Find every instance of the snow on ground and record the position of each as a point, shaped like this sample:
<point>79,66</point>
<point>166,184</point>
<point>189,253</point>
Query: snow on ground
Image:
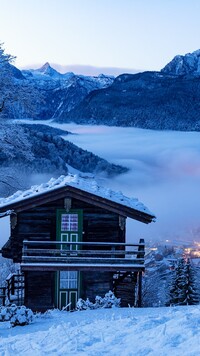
<point>127,331</point>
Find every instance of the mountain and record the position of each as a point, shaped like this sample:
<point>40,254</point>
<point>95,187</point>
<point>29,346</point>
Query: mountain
<point>46,69</point>
<point>62,92</point>
<point>165,100</point>
<point>150,100</point>
<point>184,65</point>
<point>17,74</point>
<point>50,93</point>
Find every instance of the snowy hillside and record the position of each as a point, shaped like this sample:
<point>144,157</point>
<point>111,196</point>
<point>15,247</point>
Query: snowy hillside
<point>50,154</point>
<point>128,331</point>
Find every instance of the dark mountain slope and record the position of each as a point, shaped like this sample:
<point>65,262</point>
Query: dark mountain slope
<point>151,100</point>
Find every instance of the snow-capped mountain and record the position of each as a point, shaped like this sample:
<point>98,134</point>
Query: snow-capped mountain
<point>47,70</point>
<point>184,65</point>
<point>163,100</point>
<point>150,100</point>
<point>62,92</point>
<point>50,93</point>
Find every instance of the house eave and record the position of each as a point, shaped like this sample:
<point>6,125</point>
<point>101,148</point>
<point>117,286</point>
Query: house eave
<point>72,192</point>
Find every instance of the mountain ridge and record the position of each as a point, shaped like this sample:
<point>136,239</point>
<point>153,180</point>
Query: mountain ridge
<point>184,64</point>
<point>163,100</point>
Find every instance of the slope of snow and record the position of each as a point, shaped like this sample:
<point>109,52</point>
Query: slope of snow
<point>128,332</point>
<point>85,184</point>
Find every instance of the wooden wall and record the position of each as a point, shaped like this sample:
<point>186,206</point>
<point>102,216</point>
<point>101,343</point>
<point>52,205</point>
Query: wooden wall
<point>95,283</point>
<point>39,290</point>
<point>124,288</point>
<point>39,223</point>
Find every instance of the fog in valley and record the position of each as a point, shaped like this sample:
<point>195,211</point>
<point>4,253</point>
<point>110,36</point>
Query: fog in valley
<point>164,175</point>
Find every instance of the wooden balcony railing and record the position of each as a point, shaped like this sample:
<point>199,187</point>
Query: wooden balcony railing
<point>13,292</point>
<point>55,255</point>
<point>2,295</point>
<point>15,288</point>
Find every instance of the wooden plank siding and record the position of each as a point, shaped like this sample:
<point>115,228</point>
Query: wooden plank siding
<point>39,290</point>
<point>38,223</point>
<point>95,283</point>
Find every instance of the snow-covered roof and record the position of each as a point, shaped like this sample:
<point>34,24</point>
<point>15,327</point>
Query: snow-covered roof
<point>88,185</point>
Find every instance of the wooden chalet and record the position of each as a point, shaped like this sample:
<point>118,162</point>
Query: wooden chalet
<point>69,236</point>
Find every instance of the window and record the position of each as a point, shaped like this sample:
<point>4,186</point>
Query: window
<point>69,222</point>
<point>68,279</point>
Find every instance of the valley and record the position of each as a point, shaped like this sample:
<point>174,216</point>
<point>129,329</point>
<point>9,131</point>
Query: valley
<point>163,173</point>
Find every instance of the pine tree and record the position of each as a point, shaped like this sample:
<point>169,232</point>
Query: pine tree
<point>177,284</point>
<point>183,290</point>
<point>189,291</point>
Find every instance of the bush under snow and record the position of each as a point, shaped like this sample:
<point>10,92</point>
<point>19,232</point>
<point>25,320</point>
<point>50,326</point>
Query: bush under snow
<point>16,315</point>
<point>109,301</point>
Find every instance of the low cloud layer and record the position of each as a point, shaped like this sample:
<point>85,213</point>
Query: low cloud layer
<point>164,174</point>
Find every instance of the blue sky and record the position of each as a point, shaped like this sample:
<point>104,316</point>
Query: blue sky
<point>140,34</point>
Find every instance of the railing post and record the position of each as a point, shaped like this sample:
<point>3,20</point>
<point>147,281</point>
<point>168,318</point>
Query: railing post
<point>25,248</point>
<point>3,295</point>
<point>112,249</point>
<point>140,248</point>
<point>8,288</point>
<point>139,289</point>
<point>13,284</point>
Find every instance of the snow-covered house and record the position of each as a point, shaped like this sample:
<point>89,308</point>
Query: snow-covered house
<point>69,236</point>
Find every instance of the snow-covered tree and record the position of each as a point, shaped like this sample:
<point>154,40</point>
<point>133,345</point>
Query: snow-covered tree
<point>5,77</point>
<point>183,289</point>
<point>17,97</point>
<point>109,301</point>
<point>154,285</point>
<point>14,144</point>
<point>177,284</point>
<point>7,267</point>
<point>17,315</point>
<point>197,270</point>
<point>151,283</point>
<point>189,291</point>
<point>15,151</point>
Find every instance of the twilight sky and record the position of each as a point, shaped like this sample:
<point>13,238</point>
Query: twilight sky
<point>128,34</point>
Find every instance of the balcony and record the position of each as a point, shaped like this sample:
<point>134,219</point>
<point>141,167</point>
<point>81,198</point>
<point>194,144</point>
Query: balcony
<point>82,256</point>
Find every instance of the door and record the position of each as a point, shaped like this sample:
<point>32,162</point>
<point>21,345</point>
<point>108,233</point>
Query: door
<point>69,229</point>
<point>67,289</point>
